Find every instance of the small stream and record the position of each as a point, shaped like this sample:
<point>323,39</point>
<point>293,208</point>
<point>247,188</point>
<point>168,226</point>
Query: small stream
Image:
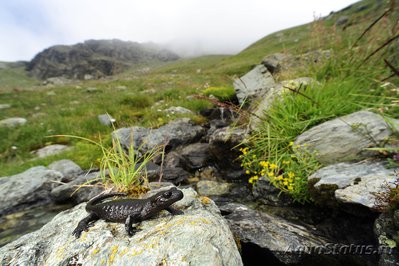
<point>15,225</point>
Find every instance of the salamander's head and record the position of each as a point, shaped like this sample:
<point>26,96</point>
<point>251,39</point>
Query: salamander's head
<point>166,198</point>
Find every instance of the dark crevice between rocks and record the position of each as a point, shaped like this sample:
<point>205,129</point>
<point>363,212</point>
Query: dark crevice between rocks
<point>253,255</point>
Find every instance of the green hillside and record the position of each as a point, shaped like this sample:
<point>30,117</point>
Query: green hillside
<point>129,97</point>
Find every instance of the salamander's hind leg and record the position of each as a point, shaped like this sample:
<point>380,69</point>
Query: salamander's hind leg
<point>174,211</point>
<point>128,225</point>
<point>85,224</point>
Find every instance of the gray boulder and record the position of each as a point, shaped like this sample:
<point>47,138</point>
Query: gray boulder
<point>268,194</point>
<point>67,168</point>
<point>106,119</point>
<point>275,93</point>
<point>51,150</point>
<point>287,241</point>
<point>78,190</point>
<point>13,122</point>
<point>278,62</point>
<point>195,156</point>
<point>30,187</point>
<point>354,183</point>
<point>346,138</point>
<point>253,84</point>
<point>199,237</point>
<point>342,20</point>
<point>178,132</point>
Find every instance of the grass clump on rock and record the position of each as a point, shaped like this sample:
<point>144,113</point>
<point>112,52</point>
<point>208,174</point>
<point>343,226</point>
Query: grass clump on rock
<point>221,93</point>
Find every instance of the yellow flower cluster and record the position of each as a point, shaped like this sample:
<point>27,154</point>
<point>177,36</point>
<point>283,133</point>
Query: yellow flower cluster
<point>284,181</point>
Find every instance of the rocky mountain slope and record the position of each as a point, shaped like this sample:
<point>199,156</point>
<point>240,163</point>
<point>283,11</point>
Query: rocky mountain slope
<point>93,59</point>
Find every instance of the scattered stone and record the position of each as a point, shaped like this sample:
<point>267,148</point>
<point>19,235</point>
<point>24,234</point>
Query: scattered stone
<point>354,183</point>
<point>4,106</point>
<point>199,237</point>
<point>121,88</point>
<point>67,168</point>
<point>253,84</point>
<point>51,93</point>
<point>30,187</point>
<point>273,62</point>
<point>346,138</point>
<point>213,188</point>
<point>51,150</point>
<point>56,81</point>
<point>178,110</point>
<point>178,132</point>
<point>106,119</point>
<point>175,175</point>
<point>91,90</point>
<point>13,122</point>
<point>342,20</point>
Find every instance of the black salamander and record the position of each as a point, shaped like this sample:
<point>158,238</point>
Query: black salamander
<point>128,211</point>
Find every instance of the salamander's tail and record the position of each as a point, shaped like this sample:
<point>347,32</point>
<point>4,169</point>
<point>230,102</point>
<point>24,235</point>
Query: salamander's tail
<point>101,197</point>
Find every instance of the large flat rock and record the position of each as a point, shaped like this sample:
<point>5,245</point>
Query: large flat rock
<point>199,237</point>
<point>346,138</point>
<point>354,183</point>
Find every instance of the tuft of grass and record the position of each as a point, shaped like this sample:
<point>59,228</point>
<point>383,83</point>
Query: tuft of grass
<point>120,170</point>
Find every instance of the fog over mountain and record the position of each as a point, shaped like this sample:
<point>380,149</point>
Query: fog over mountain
<point>189,27</point>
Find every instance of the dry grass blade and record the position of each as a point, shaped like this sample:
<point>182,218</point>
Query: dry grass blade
<point>379,48</point>
<point>394,70</point>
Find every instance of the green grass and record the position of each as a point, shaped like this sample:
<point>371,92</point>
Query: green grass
<point>15,78</point>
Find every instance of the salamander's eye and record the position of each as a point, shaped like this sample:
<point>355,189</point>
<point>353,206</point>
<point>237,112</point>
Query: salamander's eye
<point>167,194</point>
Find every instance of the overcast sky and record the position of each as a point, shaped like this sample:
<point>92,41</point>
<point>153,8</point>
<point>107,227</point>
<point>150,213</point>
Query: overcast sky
<point>206,26</point>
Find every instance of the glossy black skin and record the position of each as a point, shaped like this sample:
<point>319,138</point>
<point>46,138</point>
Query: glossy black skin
<point>128,211</point>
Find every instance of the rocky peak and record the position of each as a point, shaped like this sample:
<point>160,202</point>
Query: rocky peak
<point>94,59</point>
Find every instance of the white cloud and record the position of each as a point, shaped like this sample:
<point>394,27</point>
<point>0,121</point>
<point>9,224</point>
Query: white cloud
<point>223,26</point>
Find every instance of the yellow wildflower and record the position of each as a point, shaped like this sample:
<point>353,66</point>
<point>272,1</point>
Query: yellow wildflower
<point>285,183</point>
<point>280,177</point>
<point>270,174</point>
<point>290,187</point>
<point>247,172</point>
<point>273,166</point>
<point>264,164</point>
<point>286,162</point>
<point>291,174</point>
<point>291,143</point>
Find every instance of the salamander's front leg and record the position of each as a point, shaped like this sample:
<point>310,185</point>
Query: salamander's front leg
<point>128,225</point>
<point>85,224</point>
<point>174,211</point>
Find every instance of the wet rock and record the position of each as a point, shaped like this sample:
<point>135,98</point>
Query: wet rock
<point>269,194</point>
<point>213,188</point>
<point>178,132</point>
<point>253,84</point>
<point>79,190</point>
<point>199,237</point>
<point>195,156</point>
<point>67,168</point>
<point>106,119</point>
<point>353,183</point>
<point>13,122</point>
<point>30,187</point>
<point>51,150</point>
<point>222,143</point>
<point>276,235</point>
<point>346,138</point>
<point>175,175</point>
